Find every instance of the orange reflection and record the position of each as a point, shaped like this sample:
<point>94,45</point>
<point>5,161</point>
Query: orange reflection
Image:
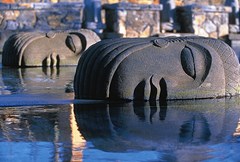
<point>8,1</point>
<point>237,131</point>
<point>78,142</point>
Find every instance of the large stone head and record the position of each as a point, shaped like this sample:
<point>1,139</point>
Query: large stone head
<point>157,68</point>
<point>47,49</point>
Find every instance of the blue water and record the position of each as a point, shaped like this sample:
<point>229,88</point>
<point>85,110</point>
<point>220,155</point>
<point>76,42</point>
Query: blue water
<point>41,121</point>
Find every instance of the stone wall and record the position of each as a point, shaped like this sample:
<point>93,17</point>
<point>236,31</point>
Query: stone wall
<point>199,2</point>
<point>20,17</point>
<point>132,20</point>
<point>208,21</point>
<point>40,16</point>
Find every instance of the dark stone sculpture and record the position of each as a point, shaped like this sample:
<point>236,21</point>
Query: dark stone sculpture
<point>47,49</point>
<point>157,68</point>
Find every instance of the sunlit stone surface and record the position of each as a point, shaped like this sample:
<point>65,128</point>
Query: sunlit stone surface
<point>204,20</point>
<point>132,20</point>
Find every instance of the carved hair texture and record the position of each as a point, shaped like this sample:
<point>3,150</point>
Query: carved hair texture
<point>157,68</point>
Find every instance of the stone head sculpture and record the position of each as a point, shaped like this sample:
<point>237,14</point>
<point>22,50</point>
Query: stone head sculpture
<point>157,68</point>
<point>47,49</point>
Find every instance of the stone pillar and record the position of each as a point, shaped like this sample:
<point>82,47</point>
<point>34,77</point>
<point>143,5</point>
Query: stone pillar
<point>92,15</point>
<point>168,16</point>
<point>208,21</point>
<point>233,16</point>
<point>234,42</point>
<point>132,20</point>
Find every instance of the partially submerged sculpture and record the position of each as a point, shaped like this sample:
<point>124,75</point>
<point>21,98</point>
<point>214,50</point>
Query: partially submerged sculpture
<point>47,49</point>
<point>157,68</point>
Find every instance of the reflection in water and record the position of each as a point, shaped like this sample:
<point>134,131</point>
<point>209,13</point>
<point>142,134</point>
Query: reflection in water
<point>40,133</point>
<point>36,86</point>
<point>195,130</point>
<point>172,131</point>
<point>78,142</point>
<point>237,131</point>
<point>181,130</point>
<point>37,80</point>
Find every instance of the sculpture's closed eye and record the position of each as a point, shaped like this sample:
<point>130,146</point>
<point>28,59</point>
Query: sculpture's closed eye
<point>187,61</point>
<point>70,44</point>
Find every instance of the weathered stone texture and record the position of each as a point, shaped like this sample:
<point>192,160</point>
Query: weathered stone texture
<point>47,49</point>
<point>157,68</point>
<point>41,16</point>
<point>200,2</point>
<point>21,17</point>
<point>208,21</point>
<point>132,20</point>
<point>234,42</point>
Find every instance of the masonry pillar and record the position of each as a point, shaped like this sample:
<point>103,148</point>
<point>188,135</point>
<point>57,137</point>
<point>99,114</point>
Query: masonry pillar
<point>92,16</point>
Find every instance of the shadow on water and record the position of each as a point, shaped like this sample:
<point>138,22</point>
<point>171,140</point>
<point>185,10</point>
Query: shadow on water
<point>175,130</point>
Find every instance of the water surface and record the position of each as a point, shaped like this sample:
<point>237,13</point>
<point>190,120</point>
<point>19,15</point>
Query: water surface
<point>41,121</point>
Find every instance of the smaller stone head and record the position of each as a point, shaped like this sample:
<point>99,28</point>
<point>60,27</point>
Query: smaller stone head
<point>47,49</point>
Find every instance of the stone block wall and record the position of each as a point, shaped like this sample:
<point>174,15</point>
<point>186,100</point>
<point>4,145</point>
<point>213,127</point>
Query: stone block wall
<point>234,42</point>
<point>200,2</point>
<point>132,20</point>
<point>41,16</point>
<point>208,21</point>
<point>20,17</point>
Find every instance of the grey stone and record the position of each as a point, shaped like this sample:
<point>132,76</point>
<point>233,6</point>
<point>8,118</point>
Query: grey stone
<point>47,49</point>
<point>41,16</point>
<point>132,20</point>
<point>204,20</point>
<point>157,68</point>
<point>234,15</point>
<point>234,42</point>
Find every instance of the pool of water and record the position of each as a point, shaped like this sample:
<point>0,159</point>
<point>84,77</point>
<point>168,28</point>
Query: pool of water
<point>41,121</point>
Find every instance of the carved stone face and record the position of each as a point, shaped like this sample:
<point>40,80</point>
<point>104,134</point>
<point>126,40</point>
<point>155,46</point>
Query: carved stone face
<point>160,68</point>
<point>50,49</point>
